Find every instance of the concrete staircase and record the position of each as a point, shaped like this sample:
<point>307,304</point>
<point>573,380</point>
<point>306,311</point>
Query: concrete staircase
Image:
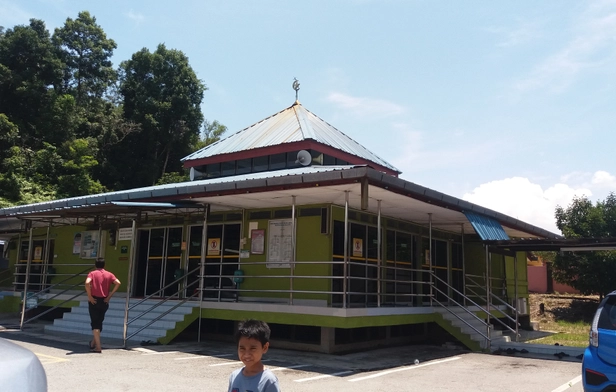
<point>77,321</point>
<point>466,334</point>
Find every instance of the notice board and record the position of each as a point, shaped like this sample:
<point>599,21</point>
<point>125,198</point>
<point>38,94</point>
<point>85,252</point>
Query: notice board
<point>280,243</point>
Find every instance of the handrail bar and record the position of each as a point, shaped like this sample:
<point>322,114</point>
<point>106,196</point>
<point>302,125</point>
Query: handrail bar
<point>492,307</point>
<point>460,318</point>
<point>457,291</point>
<point>165,299</point>
<point>52,308</point>
<point>160,316</point>
<point>25,295</point>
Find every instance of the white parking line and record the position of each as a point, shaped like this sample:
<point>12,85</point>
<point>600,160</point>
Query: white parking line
<point>143,350</point>
<point>324,376</point>
<point>568,384</point>
<point>288,367</point>
<point>233,363</point>
<point>203,356</point>
<point>162,352</point>
<point>403,368</point>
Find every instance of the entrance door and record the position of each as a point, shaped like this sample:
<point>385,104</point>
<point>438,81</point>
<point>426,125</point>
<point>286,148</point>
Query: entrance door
<point>159,258</point>
<point>221,260</point>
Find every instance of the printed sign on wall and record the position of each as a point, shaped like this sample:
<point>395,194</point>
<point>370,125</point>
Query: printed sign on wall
<point>358,247</point>
<point>213,246</point>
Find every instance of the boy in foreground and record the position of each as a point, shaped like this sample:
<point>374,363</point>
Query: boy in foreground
<point>252,342</point>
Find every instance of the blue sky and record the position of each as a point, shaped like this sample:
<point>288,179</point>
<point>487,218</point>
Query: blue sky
<point>506,104</point>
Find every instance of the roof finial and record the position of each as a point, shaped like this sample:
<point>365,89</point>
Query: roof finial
<point>296,87</point>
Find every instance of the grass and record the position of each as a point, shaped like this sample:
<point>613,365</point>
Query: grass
<point>574,334</point>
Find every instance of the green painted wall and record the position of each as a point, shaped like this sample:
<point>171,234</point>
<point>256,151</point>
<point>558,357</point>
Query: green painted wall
<point>311,246</point>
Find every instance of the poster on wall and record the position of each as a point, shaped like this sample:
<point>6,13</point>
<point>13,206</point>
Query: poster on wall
<point>280,243</point>
<point>213,246</point>
<point>358,247</point>
<point>77,244</point>
<point>89,244</point>
<point>257,244</point>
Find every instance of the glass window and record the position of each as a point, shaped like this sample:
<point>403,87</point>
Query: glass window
<point>328,160</point>
<point>213,170</point>
<point>228,168</point>
<point>292,158</point>
<point>243,166</point>
<point>278,161</point>
<point>260,164</point>
<point>341,162</point>
<point>607,319</point>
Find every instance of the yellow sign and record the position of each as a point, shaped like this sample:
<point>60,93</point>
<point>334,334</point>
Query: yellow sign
<point>358,247</point>
<point>213,246</point>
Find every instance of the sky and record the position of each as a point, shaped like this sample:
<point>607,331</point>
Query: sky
<point>509,105</point>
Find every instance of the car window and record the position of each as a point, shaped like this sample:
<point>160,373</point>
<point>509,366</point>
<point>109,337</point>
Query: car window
<point>607,320</point>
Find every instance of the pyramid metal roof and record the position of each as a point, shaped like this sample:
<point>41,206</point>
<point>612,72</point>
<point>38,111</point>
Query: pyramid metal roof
<point>293,124</point>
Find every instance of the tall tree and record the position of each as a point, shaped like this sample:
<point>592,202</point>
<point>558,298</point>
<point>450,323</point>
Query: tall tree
<point>30,68</point>
<point>589,272</point>
<point>162,94</point>
<point>87,52</point>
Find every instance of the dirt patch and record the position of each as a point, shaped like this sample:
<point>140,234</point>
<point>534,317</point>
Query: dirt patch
<point>548,309</point>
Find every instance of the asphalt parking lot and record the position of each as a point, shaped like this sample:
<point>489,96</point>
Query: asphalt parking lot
<point>206,367</point>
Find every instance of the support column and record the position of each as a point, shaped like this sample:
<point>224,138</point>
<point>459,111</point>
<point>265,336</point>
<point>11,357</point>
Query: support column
<point>27,278</point>
<point>488,291</point>
<point>129,277</point>
<point>45,259</point>
<point>202,267</point>
<point>328,339</point>
<point>430,258</point>
<point>345,282</point>
<point>463,266</point>
<point>515,294</point>
<point>292,261</point>
<point>379,259</point>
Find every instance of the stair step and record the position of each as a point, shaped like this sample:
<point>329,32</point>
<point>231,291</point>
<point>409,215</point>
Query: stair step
<point>77,321</point>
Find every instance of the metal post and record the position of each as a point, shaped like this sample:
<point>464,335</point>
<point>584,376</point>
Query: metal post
<point>292,261</point>
<point>430,258</point>
<point>202,267</point>
<point>488,297</point>
<point>346,249</point>
<point>100,238</point>
<point>515,294</point>
<point>129,277</point>
<point>379,259</point>
<point>26,280</point>
<point>45,259</point>
<point>463,265</point>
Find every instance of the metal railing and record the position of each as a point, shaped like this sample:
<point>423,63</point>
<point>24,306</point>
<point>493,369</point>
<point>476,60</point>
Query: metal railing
<point>159,303</point>
<point>50,295</point>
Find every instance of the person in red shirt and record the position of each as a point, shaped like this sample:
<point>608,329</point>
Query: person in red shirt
<point>97,287</point>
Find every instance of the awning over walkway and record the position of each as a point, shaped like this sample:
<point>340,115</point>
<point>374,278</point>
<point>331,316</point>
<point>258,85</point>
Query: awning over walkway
<point>487,228</point>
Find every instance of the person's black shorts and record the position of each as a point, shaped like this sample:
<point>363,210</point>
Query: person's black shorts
<point>97,312</point>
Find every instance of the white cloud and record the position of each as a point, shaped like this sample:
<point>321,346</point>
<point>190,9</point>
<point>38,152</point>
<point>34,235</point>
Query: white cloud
<point>591,47</point>
<point>522,199</point>
<point>604,179</point>
<point>134,16</point>
<point>365,107</point>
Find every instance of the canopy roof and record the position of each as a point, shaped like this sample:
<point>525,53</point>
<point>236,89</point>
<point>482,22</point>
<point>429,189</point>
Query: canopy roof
<point>366,187</point>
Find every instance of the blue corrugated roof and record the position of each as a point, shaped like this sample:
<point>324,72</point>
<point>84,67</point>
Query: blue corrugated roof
<point>487,228</point>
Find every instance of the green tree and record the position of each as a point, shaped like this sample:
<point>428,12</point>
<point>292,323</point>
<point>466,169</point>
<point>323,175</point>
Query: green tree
<point>87,52</point>
<point>162,94</point>
<point>30,70</point>
<point>211,133</point>
<point>591,272</point>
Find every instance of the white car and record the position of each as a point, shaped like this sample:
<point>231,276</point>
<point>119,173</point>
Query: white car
<point>20,369</point>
